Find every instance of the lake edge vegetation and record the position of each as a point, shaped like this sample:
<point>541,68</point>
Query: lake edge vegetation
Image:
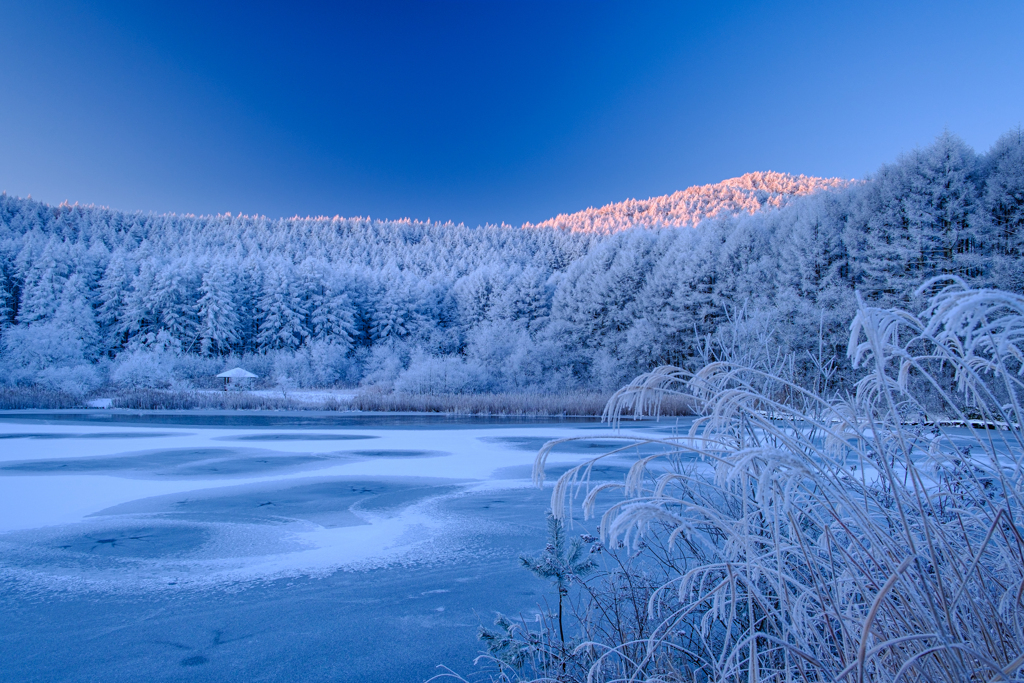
<point>801,533</point>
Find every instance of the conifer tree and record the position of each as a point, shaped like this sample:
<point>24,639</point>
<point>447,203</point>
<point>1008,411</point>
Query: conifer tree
<point>218,322</point>
<point>171,300</point>
<point>561,563</point>
<point>282,313</point>
<point>1004,205</point>
<point>114,289</point>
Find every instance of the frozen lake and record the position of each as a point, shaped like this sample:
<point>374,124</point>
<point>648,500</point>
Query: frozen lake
<point>267,547</point>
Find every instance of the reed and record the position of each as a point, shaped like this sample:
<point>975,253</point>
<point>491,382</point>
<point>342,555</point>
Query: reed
<point>20,398</point>
<point>155,399</point>
<point>816,537</point>
<point>579,403</point>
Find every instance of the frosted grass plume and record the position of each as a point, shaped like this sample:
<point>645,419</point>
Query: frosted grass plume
<point>840,538</point>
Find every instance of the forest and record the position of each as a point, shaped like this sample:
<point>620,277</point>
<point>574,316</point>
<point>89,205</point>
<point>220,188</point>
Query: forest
<point>92,297</point>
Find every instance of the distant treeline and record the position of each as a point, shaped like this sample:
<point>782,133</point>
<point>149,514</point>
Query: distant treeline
<point>90,295</point>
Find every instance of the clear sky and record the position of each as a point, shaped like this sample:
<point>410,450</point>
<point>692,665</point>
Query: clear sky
<point>483,111</point>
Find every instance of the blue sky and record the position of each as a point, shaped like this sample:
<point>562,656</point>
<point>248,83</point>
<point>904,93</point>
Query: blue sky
<point>484,111</point>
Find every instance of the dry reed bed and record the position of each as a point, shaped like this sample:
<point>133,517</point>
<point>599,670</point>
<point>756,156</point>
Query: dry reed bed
<point>153,399</point>
<point>21,398</point>
<point>483,404</point>
<point>579,403</point>
<point>525,404</point>
<point>512,404</point>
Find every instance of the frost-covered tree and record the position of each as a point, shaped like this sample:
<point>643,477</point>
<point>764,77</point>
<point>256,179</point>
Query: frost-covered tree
<point>249,289</point>
<point>919,218</point>
<point>1004,206</point>
<point>75,312</point>
<point>403,307</point>
<point>677,307</point>
<point>170,301</point>
<point>332,313</point>
<point>6,305</point>
<point>44,280</point>
<point>577,301</point>
<point>218,320</point>
<point>475,294</point>
<point>114,289</point>
<point>282,311</point>
<point>527,298</point>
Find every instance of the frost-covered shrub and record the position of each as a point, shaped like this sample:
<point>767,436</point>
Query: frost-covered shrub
<point>442,375</point>
<point>144,369</point>
<point>260,364</point>
<point>608,371</point>
<point>384,363</point>
<point>42,353</point>
<point>515,361</point>
<point>42,345</point>
<point>332,364</point>
<point>817,536</point>
<point>507,352</point>
<point>317,364</point>
<point>76,380</point>
<point>193,368</point>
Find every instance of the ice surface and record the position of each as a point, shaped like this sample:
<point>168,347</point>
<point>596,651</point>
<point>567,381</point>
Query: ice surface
<point>182,462</point>
<point>94,435</point>
<point>250,547</point>
<point>297,436</point>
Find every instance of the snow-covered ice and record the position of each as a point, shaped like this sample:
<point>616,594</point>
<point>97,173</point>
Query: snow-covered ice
<point>374,546</point>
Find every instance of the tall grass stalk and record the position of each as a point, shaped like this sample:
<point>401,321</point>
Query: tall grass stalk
<point>833,538</point>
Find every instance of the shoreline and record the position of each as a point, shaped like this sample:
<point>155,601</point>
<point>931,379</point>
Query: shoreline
<point>570,404</point>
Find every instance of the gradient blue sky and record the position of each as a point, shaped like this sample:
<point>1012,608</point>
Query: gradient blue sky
<point>484,111</point>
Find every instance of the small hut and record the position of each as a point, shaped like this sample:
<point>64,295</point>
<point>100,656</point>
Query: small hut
<point>235,375</point>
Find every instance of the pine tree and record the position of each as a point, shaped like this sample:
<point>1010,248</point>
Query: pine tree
<point>1004,205</point>
<point>114,290</point>
<point>218,322</point>
<point>474,294</point>
<point>44,279</point>
<point>74,312</point>
<point>401,309</point>
<point>561,563</point>
<point>137,318</point>
<point>919,218</point>
<point>282,313</point>
<point>527,298</point>
<point>331,310</point>
<point>249,289</point>
<point>6,305</point>
<point>171,299</point>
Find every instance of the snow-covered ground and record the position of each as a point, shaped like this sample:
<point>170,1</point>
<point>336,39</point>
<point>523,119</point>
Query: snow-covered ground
<point>375,546</point>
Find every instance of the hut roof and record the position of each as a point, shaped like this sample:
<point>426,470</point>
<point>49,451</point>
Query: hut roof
<point>236,373</point>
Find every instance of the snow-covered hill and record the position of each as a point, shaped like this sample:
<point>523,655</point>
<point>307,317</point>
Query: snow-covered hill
<point>91,295</point>
<point>686,208</point>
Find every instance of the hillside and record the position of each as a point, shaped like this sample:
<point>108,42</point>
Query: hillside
<point>91,296</point>
<point>746,194</point>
